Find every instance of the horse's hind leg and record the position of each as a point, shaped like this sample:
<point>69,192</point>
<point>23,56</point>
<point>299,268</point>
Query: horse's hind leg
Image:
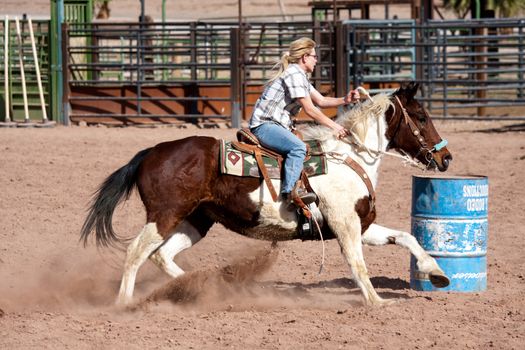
<point>138,252</point>
<point>380,235</point>
<point>185,235</point>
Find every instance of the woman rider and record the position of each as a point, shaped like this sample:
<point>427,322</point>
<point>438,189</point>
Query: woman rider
<point>284,95</point>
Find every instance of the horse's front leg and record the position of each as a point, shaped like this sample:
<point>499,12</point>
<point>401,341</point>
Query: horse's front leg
<point>347,229</point>
<point>380,235</point>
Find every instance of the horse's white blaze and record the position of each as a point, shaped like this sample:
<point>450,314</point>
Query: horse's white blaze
<point>184,236</point>
<point>380,235</point>
<point>138,252</point>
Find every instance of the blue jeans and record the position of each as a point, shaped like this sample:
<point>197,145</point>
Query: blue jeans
<point>283,141</point>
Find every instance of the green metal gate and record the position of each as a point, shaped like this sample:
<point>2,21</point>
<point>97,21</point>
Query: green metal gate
<point>75,11</point>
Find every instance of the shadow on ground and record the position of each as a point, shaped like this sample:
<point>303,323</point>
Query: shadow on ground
<point>505,128</point>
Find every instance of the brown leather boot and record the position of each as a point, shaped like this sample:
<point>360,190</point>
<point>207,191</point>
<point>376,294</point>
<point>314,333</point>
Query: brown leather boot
<point>299,196</point>
<point>303,195</point>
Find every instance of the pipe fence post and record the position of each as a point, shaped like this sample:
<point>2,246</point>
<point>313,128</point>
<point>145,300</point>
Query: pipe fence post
<point>235,78</point>
<point>6,71</point>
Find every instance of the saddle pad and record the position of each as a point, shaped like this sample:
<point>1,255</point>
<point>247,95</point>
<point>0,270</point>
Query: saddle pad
<point>237,163</point>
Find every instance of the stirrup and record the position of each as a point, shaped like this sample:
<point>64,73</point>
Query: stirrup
<point>304,196</point>
<point>300,197</point>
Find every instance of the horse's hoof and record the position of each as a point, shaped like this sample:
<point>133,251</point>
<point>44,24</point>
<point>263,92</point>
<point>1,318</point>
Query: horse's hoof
<point>438,279</point>
<point>387,302</point>
<point>123,302</point>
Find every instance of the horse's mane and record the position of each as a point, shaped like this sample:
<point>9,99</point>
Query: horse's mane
<point>355,120</point>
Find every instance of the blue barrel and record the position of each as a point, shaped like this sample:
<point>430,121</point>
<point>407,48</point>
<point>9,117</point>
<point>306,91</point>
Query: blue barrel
<point>449,220</point>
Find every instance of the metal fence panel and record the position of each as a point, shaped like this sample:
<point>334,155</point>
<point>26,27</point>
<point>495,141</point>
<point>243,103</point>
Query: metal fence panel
<point>164,70</point>
<point>189,71</point>
<point>193,56</point>
<point>381,50</point>
<point>467,68</point>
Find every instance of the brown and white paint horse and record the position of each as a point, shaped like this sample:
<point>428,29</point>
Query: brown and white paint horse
<point>184,194</point>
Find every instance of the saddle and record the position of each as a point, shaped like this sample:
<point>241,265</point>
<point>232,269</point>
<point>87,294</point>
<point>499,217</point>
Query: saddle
<point>247,142</point>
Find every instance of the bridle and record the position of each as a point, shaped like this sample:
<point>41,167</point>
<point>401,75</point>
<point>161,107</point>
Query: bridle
<point>429,152</point>
<point>407,159</point>
<point>375,154</point>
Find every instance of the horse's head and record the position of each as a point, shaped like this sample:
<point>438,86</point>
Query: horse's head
<point>411,130</point>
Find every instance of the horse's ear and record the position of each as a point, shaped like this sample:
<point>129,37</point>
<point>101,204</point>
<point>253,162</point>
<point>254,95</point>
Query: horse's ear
<point>414,88</point>
<point>409,89</point>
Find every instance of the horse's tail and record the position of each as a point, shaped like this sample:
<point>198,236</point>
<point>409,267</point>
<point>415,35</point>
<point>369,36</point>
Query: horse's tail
<point>116,188</point>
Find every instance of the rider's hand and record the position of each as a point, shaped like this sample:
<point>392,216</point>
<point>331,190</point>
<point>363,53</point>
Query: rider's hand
<point>340,132</point>
<point>352,97</point>
<point>355,95</point>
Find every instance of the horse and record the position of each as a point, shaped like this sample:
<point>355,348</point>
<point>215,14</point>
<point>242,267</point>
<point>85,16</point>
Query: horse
<point>184,194</point>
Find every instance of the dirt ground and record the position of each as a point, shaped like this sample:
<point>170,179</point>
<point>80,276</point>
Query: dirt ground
<point>129,10</point>
<point>54,293</point>
<point>175,10</point>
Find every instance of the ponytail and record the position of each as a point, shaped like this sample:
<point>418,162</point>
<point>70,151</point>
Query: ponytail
<point>280,67</point>
<point>298,49</point>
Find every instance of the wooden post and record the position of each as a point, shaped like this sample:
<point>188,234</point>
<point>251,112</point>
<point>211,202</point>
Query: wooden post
<point>22,73</point>
<point>37,69</point>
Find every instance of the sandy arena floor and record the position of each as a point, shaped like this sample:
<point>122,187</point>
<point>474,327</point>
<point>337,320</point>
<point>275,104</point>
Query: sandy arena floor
<point>54,293</point>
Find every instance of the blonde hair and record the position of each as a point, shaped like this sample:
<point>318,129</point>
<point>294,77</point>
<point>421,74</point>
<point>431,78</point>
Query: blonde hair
<point>298,48</point>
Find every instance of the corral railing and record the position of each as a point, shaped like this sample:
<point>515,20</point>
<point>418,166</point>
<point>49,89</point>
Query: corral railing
<point>169,72</point>
<point>127,72</point>
<point>213,72</point>
<point>466,68</point>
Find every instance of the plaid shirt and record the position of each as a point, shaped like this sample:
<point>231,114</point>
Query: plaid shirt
<point>278,101</point>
